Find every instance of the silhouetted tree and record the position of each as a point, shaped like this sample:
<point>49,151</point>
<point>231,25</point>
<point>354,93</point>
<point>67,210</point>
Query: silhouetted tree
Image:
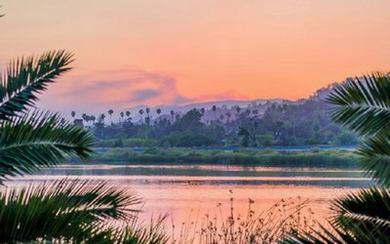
<point>110,113</point>
<point>244,135</point>
<point>84,116</point>
<point>255,112</point>
<point>228,115</point>
<point>202,110</point>
<point>214,108</point>
<point>122,114</point>
<point>141,112</point>
<point>172,114</point>
<point>147,110</point>
<point>102,117</point>
<point>238,109</point>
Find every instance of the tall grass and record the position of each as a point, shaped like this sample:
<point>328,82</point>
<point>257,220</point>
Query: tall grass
<point>269,226</point>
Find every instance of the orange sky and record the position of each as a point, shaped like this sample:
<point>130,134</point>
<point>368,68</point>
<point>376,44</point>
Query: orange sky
<point>132,52</point>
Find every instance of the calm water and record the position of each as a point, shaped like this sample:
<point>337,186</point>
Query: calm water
<point>186,191</point>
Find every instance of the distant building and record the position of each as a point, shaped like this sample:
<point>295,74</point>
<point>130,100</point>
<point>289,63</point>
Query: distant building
<point>78,122</point>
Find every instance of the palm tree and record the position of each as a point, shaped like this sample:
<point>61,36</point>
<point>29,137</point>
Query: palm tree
<point>363,106</point>
<point>63,211</point>
<point>93,118</point>
<point>238,109</point>
<point>228,115</point>
<point>102,117</point>
<point>141,112</point>
<point>110,113</point>
<point>122,114</point>
<point>84,116</point>
<point>172,113</point>
<point>214,108</point>
<point>202,110</point>
<point>147,110</point>
<point>128,113</point>
<point>255,112</point>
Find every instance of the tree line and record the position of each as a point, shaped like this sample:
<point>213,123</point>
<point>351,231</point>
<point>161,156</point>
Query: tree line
<point>306,122</point>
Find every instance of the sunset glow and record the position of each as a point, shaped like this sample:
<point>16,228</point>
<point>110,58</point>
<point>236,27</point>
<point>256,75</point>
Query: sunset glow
<point>154,52</point>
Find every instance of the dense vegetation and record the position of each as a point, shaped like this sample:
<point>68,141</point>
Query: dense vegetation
<point>307,158</point>
<point>305,122</point>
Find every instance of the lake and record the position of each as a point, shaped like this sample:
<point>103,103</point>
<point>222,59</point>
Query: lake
<point>186,192</point>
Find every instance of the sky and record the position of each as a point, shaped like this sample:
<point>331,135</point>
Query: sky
<point>152,52</point>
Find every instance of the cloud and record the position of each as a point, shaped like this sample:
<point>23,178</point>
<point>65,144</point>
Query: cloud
<point>144,95</point>
<point>98,91</point>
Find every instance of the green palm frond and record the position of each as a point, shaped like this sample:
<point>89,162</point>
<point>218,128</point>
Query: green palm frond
<point>39,140</point>
<point>369,208</point>
<point>363,104</point>
<point>63,210</point>
<point>375,154</point>
<point>362,217</point>
<point>26,77</point>
<point>340,235</point>
<point>136,233</point>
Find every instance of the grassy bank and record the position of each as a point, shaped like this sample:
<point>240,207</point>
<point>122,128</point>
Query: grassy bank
<point>345,158</point>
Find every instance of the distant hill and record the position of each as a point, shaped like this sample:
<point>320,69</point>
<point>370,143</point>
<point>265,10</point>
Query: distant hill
<point>222,106</point>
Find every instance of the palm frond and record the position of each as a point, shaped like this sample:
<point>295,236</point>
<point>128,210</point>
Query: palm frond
<point>362,217</point>
<point>63,210</point>
<point>369,208</point>
<point>335,234</point>
<point>363,104</point>
<point>375,154</point>
<point>27,77</point>
<point>39,140</point>
<point>136,233</point>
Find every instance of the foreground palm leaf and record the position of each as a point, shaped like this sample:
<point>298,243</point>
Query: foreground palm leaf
<point>339,235</point>
<point>368,209</point>
<point>358,218</point>
<point>30,141</point>
<point>27,77</point>
<point>134,233</point>
<point>375,153</point>
<point>63,210</point>
<point>39,140</point>
<point>363,104</point>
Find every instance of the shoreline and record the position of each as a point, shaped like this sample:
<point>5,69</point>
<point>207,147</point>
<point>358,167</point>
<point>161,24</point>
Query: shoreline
<point>245,157</point>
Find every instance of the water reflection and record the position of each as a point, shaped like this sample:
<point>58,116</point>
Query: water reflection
<point>210,175</point>
<point>179,190</point>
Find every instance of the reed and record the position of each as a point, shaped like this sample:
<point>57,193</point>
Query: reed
<point>269,226</point>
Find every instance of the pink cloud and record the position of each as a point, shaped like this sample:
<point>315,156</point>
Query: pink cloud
<point>95,92</point>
